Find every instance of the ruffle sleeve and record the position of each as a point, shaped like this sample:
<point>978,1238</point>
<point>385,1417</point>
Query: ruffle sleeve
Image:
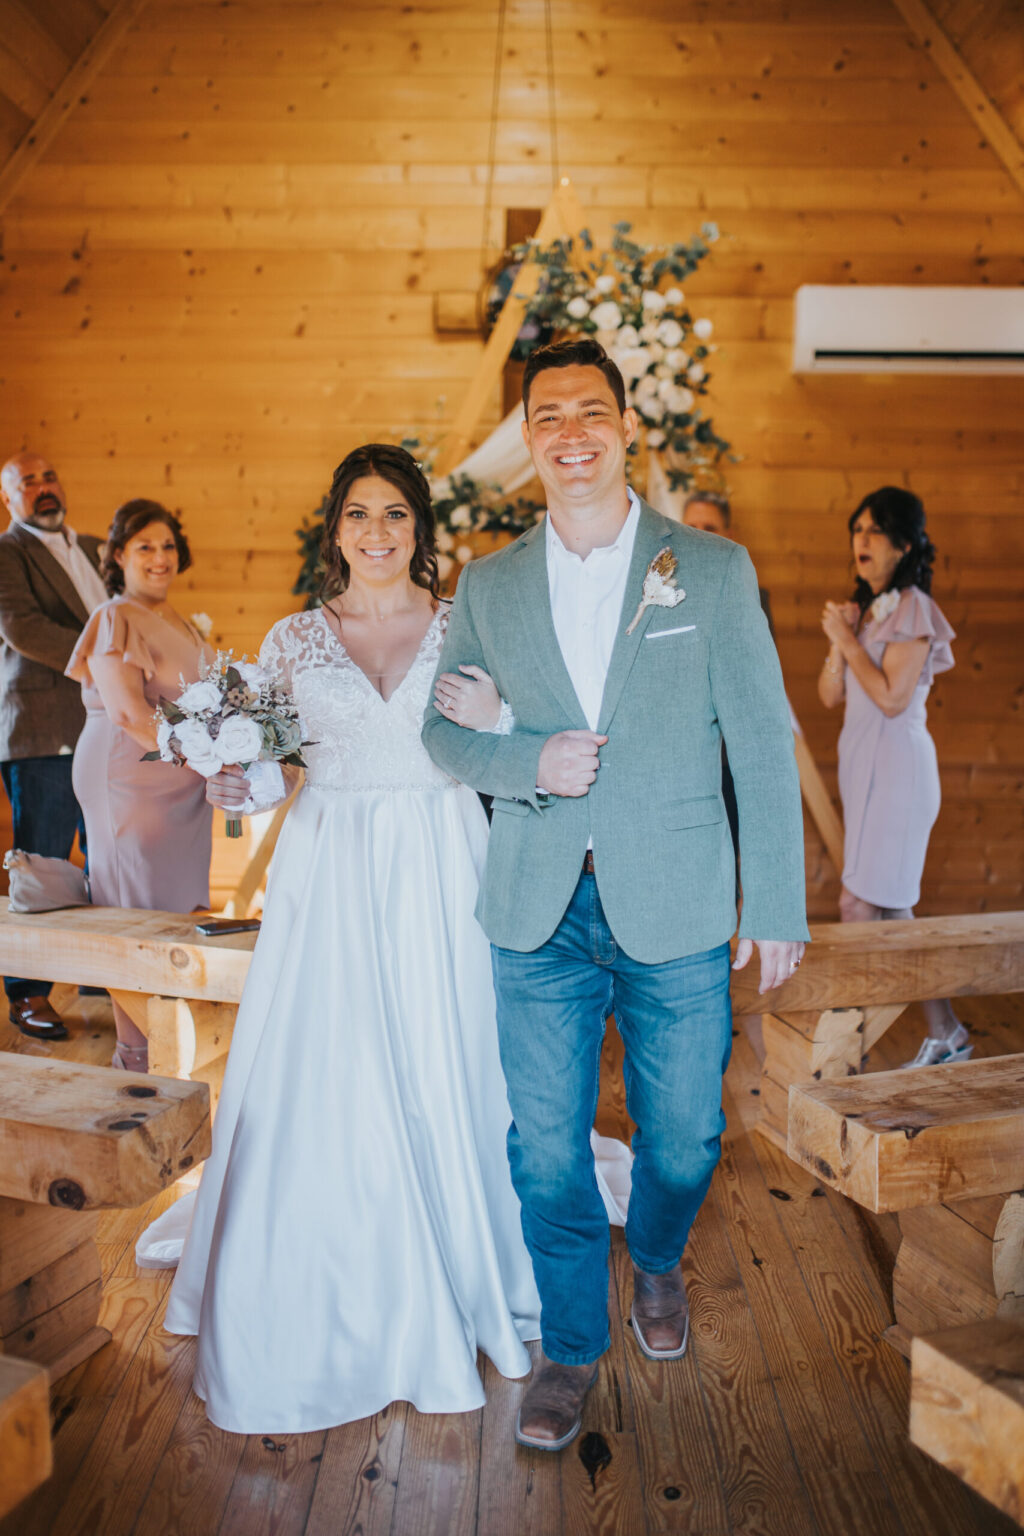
<point>111,631</point>
<point>917,617</point>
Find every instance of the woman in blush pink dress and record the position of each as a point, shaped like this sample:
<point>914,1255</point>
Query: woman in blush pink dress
<point>887,645</point>
<point>148,824</point>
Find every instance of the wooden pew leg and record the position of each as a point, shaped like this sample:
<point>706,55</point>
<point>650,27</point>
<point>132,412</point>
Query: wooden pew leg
<point>958,1263</point>
<point>806,1047</point>
<point>185,1035</point>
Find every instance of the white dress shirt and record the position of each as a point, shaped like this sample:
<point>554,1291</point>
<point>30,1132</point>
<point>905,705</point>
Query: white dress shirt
<point>79,569</point>
<point>586,607</point>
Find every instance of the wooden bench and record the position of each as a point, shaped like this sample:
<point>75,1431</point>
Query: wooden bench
<point>26,1450</point>
<point>74,1140</point>
<point>943,1146</point>
<point>181,988</point>
<point>857,979</point>
<point>967,1407</point>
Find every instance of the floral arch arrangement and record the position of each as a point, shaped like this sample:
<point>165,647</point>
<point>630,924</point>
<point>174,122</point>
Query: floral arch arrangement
<point>628,298</point>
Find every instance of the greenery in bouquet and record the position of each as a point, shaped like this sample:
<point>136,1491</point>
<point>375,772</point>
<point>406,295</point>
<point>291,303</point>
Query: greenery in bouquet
<point>233,713</point>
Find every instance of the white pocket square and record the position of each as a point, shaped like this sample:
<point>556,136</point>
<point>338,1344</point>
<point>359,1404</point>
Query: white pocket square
<point>656,634</point>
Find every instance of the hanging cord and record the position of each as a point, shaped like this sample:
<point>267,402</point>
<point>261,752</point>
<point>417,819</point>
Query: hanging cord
<point>552,120</point>
<point>492,148</point>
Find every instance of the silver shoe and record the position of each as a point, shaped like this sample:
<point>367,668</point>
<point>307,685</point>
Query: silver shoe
<point>934,1053</point>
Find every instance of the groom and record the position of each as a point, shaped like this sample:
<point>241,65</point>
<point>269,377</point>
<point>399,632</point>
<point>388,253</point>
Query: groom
<point>628,647</point>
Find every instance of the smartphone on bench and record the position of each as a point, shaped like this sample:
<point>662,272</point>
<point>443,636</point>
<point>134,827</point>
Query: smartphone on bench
<point>212,926</point>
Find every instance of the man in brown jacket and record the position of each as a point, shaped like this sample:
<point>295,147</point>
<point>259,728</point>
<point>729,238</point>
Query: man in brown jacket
<point>49,585</point>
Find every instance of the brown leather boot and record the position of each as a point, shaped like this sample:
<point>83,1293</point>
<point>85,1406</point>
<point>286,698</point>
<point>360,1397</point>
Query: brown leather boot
<point>552,1410</point>
<point>660,1314</point>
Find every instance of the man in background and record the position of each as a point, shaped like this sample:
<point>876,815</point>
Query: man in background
<point>49,585</point>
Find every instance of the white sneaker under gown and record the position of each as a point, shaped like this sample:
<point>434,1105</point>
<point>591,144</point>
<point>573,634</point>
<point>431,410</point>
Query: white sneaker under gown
<point>356,1237</point>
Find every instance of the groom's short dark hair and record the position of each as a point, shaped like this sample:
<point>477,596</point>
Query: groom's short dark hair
<point>584,352</point>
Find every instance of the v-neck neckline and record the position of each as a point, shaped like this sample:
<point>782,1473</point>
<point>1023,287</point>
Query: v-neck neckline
<point>354,664</point>
<point>193,633</point>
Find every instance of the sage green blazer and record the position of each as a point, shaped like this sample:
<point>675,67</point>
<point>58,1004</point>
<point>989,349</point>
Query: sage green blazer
<point>686,678</point>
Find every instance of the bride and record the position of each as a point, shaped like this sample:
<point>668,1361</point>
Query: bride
<point>356,1237</point>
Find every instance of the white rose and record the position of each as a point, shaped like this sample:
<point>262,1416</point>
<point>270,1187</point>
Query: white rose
<point>632,363</point>
<point>164,732</point>
<point>462,517</point>
<point>200,696</point>
<point>674,297</point>
<point>696,374</point>
<point>653,409</point>
<point>648,332</point>
<point>646,388</point>
<point>240,740</point>
<point>666,388</point>
<point>464,554</point>
<point>203,623</point>
<point>605,283</point>
<point>679,401</point>
<point>663,371</point>
<point>441,489</point>
<point>193,739</point>
<point>655,438</point>
<point>628,336</point>
<point>653,301</point>
<point>670,333</point>
<point>702,329</point>
<point>607,316</point>
<point>677,359</point>
<point>207,764</point>
<point>445,542</point>
<point>655,351</point>
<point>578,308</point>
<point>251,673</point>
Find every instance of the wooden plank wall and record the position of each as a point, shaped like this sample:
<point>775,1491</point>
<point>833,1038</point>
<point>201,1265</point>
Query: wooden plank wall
<point>220,278</point>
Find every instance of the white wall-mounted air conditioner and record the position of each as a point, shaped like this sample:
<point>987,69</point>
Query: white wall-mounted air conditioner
<point>855,329</point>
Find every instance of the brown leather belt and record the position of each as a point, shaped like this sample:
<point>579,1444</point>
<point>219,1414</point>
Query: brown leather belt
<point>588,862</point>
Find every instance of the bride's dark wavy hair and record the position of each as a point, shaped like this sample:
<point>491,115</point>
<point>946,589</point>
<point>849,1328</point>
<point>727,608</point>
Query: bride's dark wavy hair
<point>900,516</point>
<point>399,469</point>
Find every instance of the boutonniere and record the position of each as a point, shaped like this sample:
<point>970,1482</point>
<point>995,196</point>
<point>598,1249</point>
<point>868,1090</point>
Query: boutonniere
<point>202,624</point>
<point>660,590</point>
<point>884,604</point>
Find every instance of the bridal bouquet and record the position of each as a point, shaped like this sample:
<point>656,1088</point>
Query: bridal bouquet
<point>235,713</point>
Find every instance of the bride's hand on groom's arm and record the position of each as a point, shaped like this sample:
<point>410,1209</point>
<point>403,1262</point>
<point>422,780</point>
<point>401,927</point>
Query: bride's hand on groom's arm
<point>470,700</point>
<point>569,763</point>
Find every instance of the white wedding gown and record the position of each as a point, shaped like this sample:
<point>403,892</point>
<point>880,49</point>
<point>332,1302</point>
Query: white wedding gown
<point>356,1238</point>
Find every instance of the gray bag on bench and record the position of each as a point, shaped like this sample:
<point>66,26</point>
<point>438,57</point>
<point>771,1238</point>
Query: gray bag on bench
<point>39,884</point>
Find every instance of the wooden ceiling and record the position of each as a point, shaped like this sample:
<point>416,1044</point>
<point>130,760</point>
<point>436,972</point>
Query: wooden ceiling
<point>989,37</point>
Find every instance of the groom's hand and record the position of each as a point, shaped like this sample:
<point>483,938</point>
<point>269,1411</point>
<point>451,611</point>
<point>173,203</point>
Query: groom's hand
<point>780,959</point>
<point>569,763</point>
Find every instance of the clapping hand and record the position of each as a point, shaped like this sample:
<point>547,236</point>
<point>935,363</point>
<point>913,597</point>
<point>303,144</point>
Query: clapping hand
<point>229,788</point>
<point>838,621</point>
<point>470,700</point>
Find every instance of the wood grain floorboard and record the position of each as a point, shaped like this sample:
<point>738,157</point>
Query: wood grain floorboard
<point>194,1478</point>
<point>438,1486</point>
<point>876,1377</point>
<point>358,1476</point>
<point>601,1488</point>
<point>273,1486</point>
<point>759,1464</point>
<point>520,1489</point>
<point>839,1471</point>
<point>680,1475</point>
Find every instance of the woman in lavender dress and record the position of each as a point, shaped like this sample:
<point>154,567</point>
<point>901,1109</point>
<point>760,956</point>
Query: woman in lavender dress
<point>887,645</point>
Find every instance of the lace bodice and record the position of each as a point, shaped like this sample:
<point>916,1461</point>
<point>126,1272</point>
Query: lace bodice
<point>358,740</point>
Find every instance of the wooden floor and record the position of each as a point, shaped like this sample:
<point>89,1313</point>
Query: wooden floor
<point>788,1417</point>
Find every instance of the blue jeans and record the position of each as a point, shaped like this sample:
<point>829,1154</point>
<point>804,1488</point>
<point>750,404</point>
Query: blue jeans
<point>46,816</point>
<point>676,1025</point>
